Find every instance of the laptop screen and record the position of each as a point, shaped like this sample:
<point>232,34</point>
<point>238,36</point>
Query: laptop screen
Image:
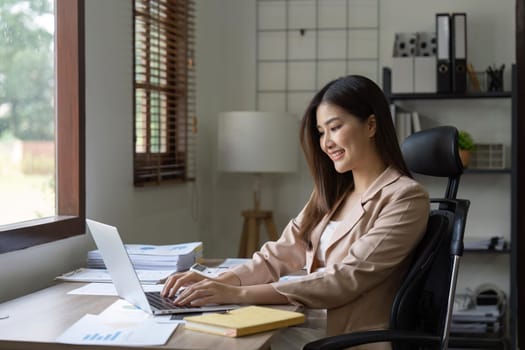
<point>118,264</point>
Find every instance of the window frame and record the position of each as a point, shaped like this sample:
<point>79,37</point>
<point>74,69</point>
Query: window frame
<point>69,138</point>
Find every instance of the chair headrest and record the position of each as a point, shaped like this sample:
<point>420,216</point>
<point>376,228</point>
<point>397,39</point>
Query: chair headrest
<point>433,152</point>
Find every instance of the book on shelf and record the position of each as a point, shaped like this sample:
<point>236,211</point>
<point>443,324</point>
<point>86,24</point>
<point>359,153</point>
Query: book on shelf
<point>244,321</point>
<point>403,125</point>
<point>416,122</point>
<point>406,122</point>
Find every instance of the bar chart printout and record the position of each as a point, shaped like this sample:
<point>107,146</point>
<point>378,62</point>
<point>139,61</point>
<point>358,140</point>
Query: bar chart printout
<point>92,329</point>
<point>111,337</point>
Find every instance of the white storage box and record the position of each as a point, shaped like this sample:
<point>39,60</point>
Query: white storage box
<point>425,74</point>
<point>403,74</point>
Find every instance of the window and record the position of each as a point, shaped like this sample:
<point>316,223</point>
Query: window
<point>165,121</point>
<point>69,214</point>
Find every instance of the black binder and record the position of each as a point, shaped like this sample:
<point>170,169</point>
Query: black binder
<point>459,52</point>
<point>443,66</point>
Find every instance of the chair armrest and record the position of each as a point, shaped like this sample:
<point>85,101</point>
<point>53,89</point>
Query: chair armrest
<point>353,339</point>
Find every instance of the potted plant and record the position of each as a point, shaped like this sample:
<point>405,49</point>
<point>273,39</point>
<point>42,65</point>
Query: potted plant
<point>466,146</point>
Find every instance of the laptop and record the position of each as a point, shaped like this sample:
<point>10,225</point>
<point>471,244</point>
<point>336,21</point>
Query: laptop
<point>125,278</point>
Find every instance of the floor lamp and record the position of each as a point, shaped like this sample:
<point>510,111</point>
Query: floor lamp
<point>257,142</point>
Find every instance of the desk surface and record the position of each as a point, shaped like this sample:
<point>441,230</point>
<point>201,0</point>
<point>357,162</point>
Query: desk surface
<point>37,319</point>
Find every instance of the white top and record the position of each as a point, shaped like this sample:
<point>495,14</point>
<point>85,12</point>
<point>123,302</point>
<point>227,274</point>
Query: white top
<point>326,238</point>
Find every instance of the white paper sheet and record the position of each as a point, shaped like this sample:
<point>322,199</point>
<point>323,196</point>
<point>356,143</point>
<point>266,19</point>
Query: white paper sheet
<point>102,275</point>
<point>109,289</point>
<point>101,330</point>
<point>122,311</point>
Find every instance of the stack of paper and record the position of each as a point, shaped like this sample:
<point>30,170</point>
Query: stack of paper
<point>485,319</point>
<point>176,257</point>
<point>480,312</point>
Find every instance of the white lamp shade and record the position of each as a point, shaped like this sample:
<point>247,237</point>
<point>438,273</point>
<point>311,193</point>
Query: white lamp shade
<point>257,142</point>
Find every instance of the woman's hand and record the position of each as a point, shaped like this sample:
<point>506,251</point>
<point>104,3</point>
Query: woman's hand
<point>225,289</point>
<point>208,291</point>
<point>178,280</point>
<point>184,279</point>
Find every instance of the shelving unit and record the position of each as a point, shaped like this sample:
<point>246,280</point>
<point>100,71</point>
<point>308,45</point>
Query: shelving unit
<point>486,251</point>
<point>303,44</point>
<point>441,98</point>
<point>488,171</point>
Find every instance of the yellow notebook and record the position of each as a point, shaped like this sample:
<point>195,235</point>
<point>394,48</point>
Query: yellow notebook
<point>243,321</point>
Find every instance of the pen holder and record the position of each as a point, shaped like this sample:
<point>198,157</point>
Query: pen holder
<point>477,81</point>
<point>495,79</point>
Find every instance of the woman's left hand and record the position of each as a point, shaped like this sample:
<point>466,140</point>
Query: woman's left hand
<point>209,292</point>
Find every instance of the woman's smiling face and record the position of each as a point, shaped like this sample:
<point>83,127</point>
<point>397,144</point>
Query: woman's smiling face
<point>344,138</point>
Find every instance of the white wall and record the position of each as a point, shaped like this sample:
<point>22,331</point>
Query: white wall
<point>156,215</point>
<point>225,81</point>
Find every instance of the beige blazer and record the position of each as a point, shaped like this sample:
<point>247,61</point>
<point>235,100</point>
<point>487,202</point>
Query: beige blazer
<point>366,259</point>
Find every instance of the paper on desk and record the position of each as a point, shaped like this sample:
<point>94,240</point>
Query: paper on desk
<point>102,275</point>
<point>227,264</point>
<point>109,289</point>
<point>122,311</point>
<point>231,262</point>
<point>100,330</point>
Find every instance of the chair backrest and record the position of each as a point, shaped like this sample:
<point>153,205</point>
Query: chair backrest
<point>425,298</point>
<point>435,152</point>
<point>412,305</point>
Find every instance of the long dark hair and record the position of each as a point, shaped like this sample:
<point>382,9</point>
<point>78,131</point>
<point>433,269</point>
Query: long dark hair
<point>360,97</point>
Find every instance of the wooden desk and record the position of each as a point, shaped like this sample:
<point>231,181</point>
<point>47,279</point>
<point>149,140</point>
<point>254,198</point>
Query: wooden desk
<point>37,319</point>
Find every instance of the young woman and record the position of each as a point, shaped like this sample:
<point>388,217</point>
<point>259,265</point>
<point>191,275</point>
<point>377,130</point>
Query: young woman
<point>356,233</point>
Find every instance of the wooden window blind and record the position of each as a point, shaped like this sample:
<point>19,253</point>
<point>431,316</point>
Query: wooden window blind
<point>164,84</point>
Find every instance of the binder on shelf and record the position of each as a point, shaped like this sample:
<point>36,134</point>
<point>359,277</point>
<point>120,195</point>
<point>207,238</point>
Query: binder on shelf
<point>459,52</point>
<point>403,125</point>
<point>444,76</point>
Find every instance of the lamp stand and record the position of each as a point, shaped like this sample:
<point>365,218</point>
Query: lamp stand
<point>253,218</point>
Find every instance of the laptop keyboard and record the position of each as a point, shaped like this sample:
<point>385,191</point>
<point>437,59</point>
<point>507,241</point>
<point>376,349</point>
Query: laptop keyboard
<point>162,303</point>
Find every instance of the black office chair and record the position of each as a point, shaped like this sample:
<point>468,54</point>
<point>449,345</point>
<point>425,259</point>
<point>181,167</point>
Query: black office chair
<point>421,312</point>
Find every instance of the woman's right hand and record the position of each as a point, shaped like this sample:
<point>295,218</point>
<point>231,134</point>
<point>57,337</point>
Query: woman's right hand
<point>178,280</point>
